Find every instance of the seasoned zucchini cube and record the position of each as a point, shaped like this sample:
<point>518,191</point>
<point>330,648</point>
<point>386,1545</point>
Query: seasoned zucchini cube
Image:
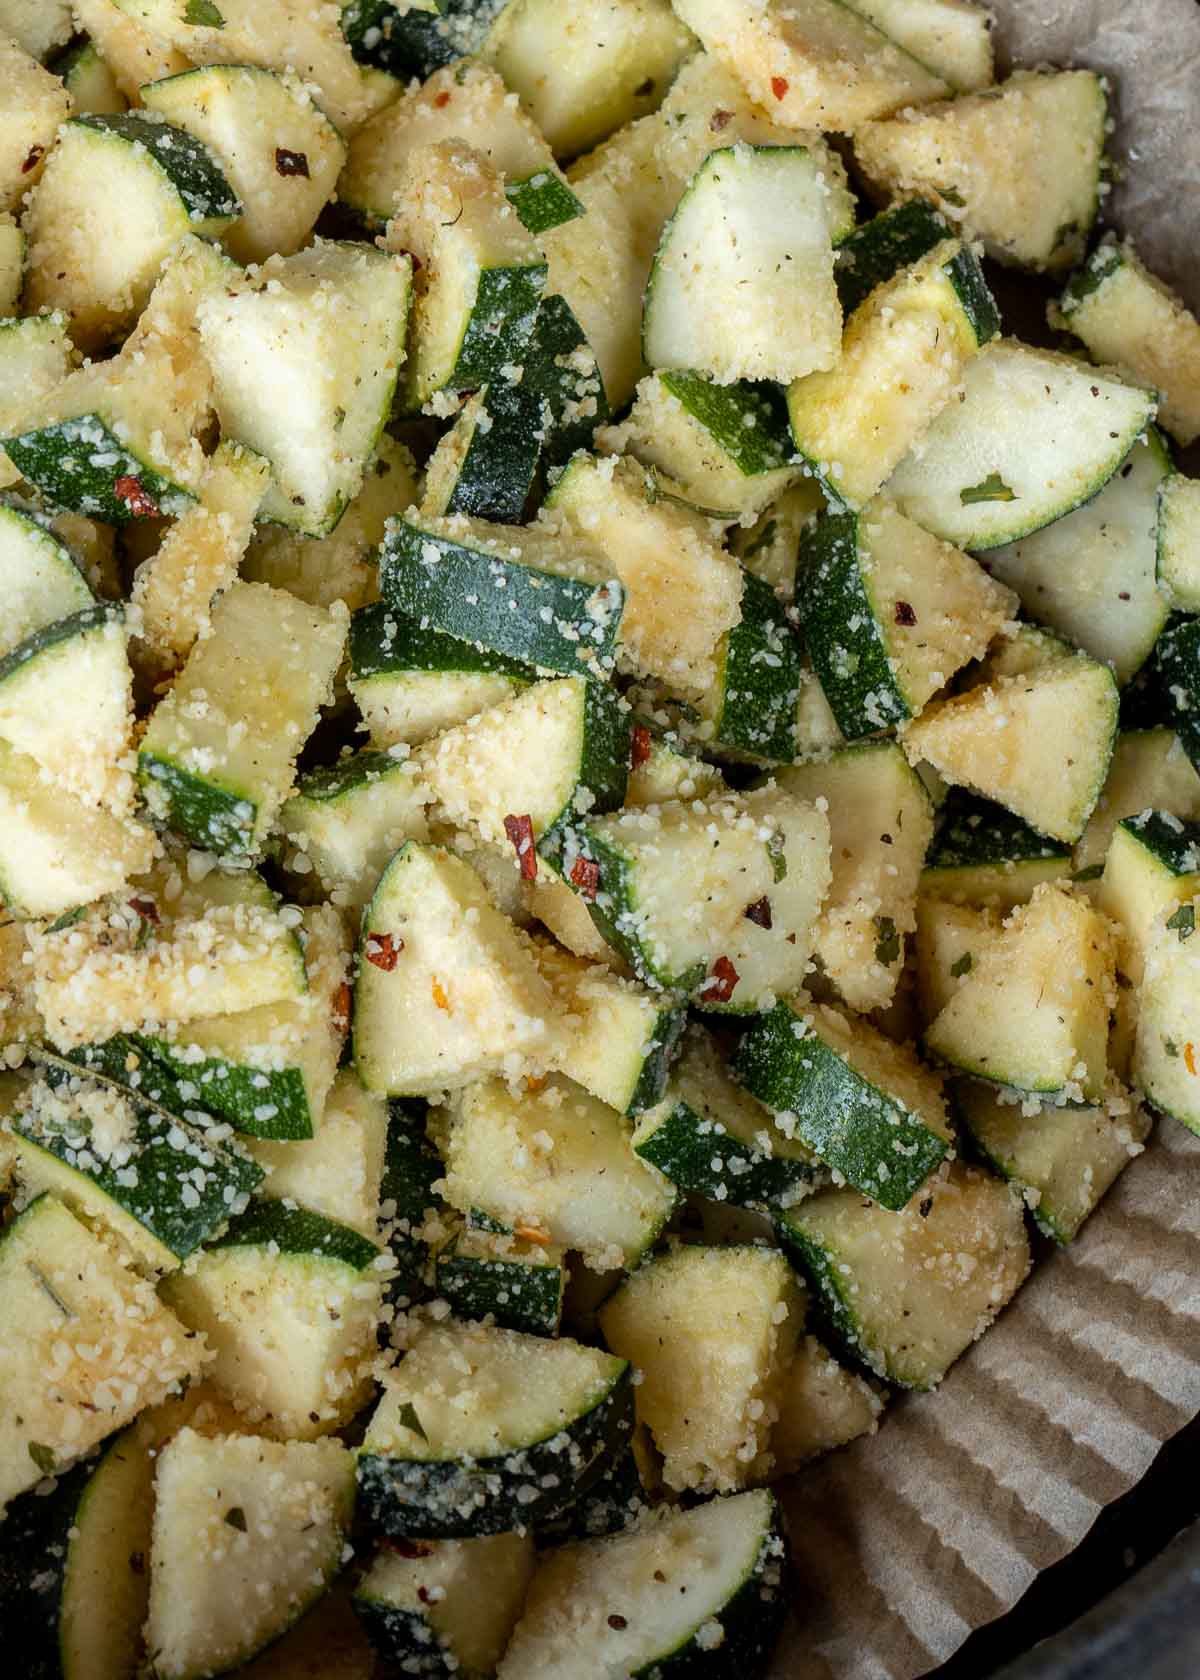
<point>339,1173</point>
<point>33,103</point>
<point>1178,563</point>
<point>950,939</point>
<point>983,855</point>
<point>1167,1043</point>
<point>822,1405</point>
<point>346,820</point>
<point>508,1280</point>
<point>909,1291</point>
<point>1149,770</point>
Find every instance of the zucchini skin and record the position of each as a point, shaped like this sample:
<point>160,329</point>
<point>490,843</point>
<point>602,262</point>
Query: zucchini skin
<point>41,456</point>
<point>212,817</point>
<point>232,1091</point>
<point>838,1321</point>
<point>574,403</point>
<point>496,473</point>
<point>758,696</point>
<point>975,833</point>
<point>656,1069</point>
<point>852,1125</point>
<point>295,1230</point>
<point>383,640</point>
<point>685,1154</point>
<point>416,1499</point>
<point>34,1554</point>
<point>509,296</point>
<point>1177,659</point>
<point>543,201</point>
<point>410,1170</point>
<point>517,1296</point>
<point>896,238</point>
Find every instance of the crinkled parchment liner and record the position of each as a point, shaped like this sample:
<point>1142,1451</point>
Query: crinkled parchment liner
<point>906,1542</point>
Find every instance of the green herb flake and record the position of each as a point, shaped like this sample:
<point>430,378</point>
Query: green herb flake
<point>964,965</point>
<point>887,946</point>
<point>775,852</point>
<point>410,1420</point>
<point>43,1457</point>
<point>1183,921</point>
<point>952,196</point>
<point>1172,1049</point>
<point>236,1518</point>
<point>203,13</point>
<point>993,489</point>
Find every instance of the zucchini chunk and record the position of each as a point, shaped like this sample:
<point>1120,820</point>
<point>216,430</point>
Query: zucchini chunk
<point>769,548</point>
<point>889,614</point>
<point>411,682</point>
<point>470,103</point>
<point>712,1331</point>
<point>753,710</point>
<point>485,464</point>
<point>448,1610</point>
<point>1092,576</point>
<point>741,286</point>
<point>287,1302</point>
<point>902,359</point>
<point>664,767</point>
<point>446,992</point>
<point>247,1534</point>
<point>880,824</point>
<point>1149,769</point>
<point>951,37</point>
<point>34,358</point>
<point>479,274</point>
<point>1062,1160</point>
<point>527,593</point>
<point>94,90</point>
<point>562,368</point>
<point>556,1162</point>
<point>822,1405</point>
<point>1019,166</point>
<point>1178,558</point>
<point>509,1281</point>
<point>56,852</point>
<point>38,26</point>
<point>522,771</point>
<point>725,448</point>
<point>146,183</point>
<point>12,265</point>
<point>1178,659</point>
<point>218,758</point>
<point>710,1137</point>
<point>43,583</point>
<point>339,306</point>
<point>663,553</point>
<point>267,1069</point>
<point>617,1039</point>
<point>81,1326</point>
<point>1039,744</point>
<point>612,63</point>
<point>983,855</point>
<point>274,35</point>
<point>339,1172</point>
<point>1130,320</point>
<point>951,938</point>
<point>1028,442</point>
<point>66,701</point>
<point>908,1292</point>
<point>33,105</point>
<point>1152,867</point>
<point>1165,1051</point>
<point>198,557</point>
<point>347,819</point>
<point>127,1168</point>
<point>480,1430</point>
<point>412,1214</point>
<point>865,1106</point>
<point>701,1588</point>
<point>279,153</point>
<point>134,55</point>
<point>875,251</point>
<point>717,899</point>
<point>811,63</point>
<point>1033,1010</point>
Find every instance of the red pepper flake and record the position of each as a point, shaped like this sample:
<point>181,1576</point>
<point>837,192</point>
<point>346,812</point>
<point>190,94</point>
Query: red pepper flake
<point>520,833</point>
<point>33,157</point>
<point>136,497</point>
<point>1189,1058</point>
<point>291,163</point>
<point>341,1008</point>
<point>423,1594</point>
<point>639,745</point>
<point>383,950</point>
<point>617,1622</point>
<point>905,614</point>
<point>406,1548</point>
<point>532,1234</point>
<point>720,120</point>
<point>722,979</point>
<point>441,100</point>
<point>759,912</point>
<point>146,909</point>
<point>585,874</point>
<point>779,86</point>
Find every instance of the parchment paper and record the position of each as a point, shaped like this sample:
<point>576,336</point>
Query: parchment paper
<point>906,1542</point>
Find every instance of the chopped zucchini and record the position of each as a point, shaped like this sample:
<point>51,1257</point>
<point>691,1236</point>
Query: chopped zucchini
<point>247,1534</point>
<point>411,1219</point>
<point>1130,320</point>
<point>983,855</point>
<point>94,90</point>
<point>42,580</point>
<point>1178,562</point>
<point>1033,1010</point>
<point>88,1345</point>
<point>338,1173</point>
<point>485,464</point>
<point>33,103</point>
<point>712,1331</point>
<point>1149,768</point>
<point>446,992</point>
<point>1039,744</point>
<point>339,306</point>
<point>822,1405</point>
<point>889,614</point>
<point>741,286</point>
<point>880,824</point>
<point>347,819</point>
<point>12,265</point>
<point>447,1610</point>
<point>34,358</point>
<point>754,708</point>
<point>873,252</point>
<point>556,1165</point>
<point>903,355</point>
<point>952,37</point>
<point>218,758</point>
<point>1152,867</point>
<point>133,54</point>
<point>950,939</point>
<point>1062,1160</point>
<point>909,1292</point>
<point>1178,659</point>
<point>480,1431</point>
<point>1019,165</point>
<point>37,26</point>
<point>865,1106</point>
<point>770,547</point>
<point>814,63</point>
<point>287,1302</point>
<point>507,1280</point>
<point>1164,1059</point>
<point>279,153</point>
